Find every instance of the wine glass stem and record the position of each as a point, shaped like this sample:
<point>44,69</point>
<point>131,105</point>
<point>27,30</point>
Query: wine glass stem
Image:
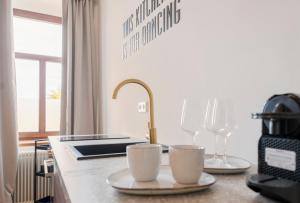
<point>216,147</point>
<point>225,149</point>
<point>194,139</point>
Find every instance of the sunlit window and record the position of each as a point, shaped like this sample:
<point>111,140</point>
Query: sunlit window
<point>53,93</point>
<point>38,50</point>
<point>27,76</point>
<point>37,37</point>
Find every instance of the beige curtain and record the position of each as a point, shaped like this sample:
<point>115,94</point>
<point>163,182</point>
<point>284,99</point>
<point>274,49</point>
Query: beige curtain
<point>8,128</point>
<point>81,102</point>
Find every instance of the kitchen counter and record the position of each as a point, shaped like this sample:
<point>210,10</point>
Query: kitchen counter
<point>85,182</point>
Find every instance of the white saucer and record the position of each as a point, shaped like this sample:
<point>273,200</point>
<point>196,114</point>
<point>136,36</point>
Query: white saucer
<point>237,165</point>
<point>165,184</point>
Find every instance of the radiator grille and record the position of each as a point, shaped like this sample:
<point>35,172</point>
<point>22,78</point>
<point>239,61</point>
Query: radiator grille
<point>24,186</point>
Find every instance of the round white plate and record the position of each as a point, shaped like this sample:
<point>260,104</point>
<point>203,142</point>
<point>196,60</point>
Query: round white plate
<point>238,165</point>
<point>164,184</point>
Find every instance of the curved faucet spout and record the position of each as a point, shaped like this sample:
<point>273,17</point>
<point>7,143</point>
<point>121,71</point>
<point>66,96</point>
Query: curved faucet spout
<point>152,130</point>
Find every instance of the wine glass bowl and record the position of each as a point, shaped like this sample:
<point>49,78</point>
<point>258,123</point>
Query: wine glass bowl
<point>220,121</point>
<point>192,117</point>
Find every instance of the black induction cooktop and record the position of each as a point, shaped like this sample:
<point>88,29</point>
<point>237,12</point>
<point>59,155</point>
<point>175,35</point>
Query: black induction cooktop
<point>66,138</point>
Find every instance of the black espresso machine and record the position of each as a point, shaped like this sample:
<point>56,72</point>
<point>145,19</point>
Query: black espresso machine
<point>279,150</point>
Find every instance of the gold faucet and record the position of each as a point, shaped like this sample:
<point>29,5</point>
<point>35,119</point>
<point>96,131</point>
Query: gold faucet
<point>152,129</point>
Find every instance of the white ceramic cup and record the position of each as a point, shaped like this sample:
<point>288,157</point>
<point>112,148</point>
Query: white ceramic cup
<point>187,162</point>
<point>143,161</point>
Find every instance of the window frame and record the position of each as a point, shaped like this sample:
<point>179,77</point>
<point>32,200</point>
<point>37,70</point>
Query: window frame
<point>42,59</point>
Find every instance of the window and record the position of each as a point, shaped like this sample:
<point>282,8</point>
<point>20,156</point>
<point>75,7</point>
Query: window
<point>38,51</point>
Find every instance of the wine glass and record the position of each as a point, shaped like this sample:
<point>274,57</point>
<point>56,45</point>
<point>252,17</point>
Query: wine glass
<point>192,117</point>
<point>219,119</point>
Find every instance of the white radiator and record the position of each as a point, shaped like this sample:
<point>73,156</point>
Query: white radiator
<point>24,186</point>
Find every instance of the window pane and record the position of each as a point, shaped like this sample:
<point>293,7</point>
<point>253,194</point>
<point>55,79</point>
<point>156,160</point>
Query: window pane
<point>53,92</point>
<point>27,75</point>
<point>37,37</point>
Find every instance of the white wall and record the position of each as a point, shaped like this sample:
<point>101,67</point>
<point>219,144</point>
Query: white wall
<point>247,50</point>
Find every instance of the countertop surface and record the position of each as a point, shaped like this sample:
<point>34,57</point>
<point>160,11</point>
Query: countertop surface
<point>85,181</point>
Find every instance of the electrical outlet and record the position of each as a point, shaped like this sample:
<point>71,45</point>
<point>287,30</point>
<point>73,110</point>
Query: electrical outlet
<point>142,107</point>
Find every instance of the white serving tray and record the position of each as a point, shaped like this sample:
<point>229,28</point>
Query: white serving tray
<point>165,183</point>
